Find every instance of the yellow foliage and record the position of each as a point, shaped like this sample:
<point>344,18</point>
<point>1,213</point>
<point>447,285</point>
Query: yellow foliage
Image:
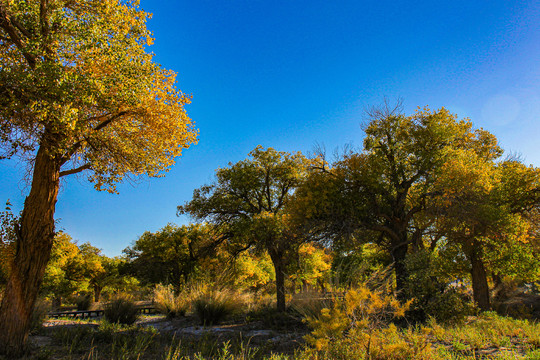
<point>104,105</point>
<point>357,314</point>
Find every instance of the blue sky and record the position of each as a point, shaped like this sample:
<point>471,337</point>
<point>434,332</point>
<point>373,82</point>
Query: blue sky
<point>293,74</point>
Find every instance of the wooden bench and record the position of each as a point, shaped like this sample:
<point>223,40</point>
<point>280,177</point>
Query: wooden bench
<point>83,314</point>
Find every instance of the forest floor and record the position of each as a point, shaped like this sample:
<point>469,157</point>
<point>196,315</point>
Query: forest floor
<point>271,336</point>
<point>72,338</point>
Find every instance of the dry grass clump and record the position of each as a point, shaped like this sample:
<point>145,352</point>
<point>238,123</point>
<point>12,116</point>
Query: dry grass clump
<point>122,310</point>
<point>309,304</point>
<point>212,305</point>
<point>170,304</point>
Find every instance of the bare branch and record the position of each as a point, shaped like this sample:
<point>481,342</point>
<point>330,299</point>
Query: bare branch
<point>385,109</point>
<point>75,171</point>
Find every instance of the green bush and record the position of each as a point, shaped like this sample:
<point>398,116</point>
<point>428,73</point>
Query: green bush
<point>166,302</point>
<point>121,311</point>
<point>83,302</point>
<point>433,296</point>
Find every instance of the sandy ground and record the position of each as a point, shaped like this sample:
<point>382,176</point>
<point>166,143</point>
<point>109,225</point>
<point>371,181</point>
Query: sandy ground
<point>253,332</point>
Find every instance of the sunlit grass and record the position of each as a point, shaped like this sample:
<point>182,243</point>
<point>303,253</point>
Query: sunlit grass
<point>487,336</point>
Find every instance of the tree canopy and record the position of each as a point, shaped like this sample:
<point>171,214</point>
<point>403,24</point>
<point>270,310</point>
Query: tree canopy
<point>78,92</point>
<point>172,254</point>
<point>249,202</point>
<point>75,76</point>
<point>380,193</point>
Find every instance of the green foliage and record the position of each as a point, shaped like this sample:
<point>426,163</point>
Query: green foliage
<point>481,211</point>
<point>312,267</point>
<point>379,195</point>
<point>171,304</point>
<point>252,270</point>
<point>7,241</point>
<point>83,302</point>
<point>434,296</point>
<point>116,280</point>
<point>248,204</point>
<point>62,278</point>
<point>121,311</point>
<point>171,255</point>
<point>82,271</point>
<point>428,180</point>
<point>357,264</point>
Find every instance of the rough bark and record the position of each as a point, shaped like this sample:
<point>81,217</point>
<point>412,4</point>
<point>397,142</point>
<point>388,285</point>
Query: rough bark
<point>399,254</point>
<point>479,280</point>
<point>97,293</point>
<point>35,236</point>
<point>279,267</point>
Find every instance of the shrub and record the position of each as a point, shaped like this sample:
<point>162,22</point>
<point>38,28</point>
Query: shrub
<point>433,297</point>
<point>358,317</point>
<point>271,318</point>
<point>213,305</point>
<point>83,302</point>
<point>166,302</point>
<point>121,311</point>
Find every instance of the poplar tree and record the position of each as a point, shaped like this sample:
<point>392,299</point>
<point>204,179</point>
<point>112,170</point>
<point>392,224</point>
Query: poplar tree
<point>78,92</point>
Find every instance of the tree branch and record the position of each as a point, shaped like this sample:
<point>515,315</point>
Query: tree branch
<point>44,27</point>
<point>98,127</point>
<point>76,170</point>
<point>11,25</point>
<point>43,17</point>
<point>106,122</point>
<point>21,28</point>
<point>386,230</point>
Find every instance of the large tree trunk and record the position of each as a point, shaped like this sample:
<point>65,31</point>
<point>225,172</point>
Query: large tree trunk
<point>35,236</point>
<point>279,268</point>
<point>97,293</point>
<point>399,254</point>
<point>479,280</point>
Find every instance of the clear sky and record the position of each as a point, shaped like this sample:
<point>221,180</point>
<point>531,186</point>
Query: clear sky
<point>296,73</point>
